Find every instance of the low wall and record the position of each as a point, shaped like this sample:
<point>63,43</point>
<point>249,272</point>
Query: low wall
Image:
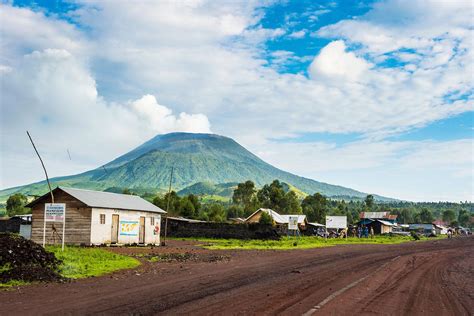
<point>220,230</point>
<point>10,225</point>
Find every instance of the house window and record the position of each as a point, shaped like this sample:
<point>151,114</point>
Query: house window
<point>102,218</point>
<point>152,221</point>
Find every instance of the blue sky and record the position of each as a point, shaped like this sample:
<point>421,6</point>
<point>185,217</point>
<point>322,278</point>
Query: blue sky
<point>368,94</point>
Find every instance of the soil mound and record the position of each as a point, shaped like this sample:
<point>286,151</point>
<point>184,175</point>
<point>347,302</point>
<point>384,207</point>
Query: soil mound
<point>22,259</point>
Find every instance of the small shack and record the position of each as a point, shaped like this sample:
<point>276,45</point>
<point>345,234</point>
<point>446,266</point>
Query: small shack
<point>19,224</point>
<point>281,221</point>
<point>425,229</point>
<point>381,222</point>
<point>94,218</point>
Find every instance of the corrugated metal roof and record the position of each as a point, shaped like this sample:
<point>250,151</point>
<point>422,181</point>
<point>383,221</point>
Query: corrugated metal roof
<point>112,200</point>
<point>279,219</point>
<point>317,224</point>
<point>386,223</point>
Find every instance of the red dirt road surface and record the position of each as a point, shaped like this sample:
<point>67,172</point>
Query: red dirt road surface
<point>419,278</point>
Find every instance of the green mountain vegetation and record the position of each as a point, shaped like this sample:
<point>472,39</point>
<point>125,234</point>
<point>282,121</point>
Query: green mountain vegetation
<point>204,164</point>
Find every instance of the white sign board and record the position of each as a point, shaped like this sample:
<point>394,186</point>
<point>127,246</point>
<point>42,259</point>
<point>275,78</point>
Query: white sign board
<point>129,228</point>
<point>54,212</point>
<point>336,221</point>
<point>293,222</point>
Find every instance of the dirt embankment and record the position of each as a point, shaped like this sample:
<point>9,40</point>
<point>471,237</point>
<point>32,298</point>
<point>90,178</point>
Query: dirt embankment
<point>432,277</point>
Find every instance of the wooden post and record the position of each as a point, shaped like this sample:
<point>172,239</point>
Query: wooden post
<point>168,206</point>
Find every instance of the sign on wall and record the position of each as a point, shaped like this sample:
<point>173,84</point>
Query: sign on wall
<point>54,212</point>
<point>129,228</point>
<point>336,221</point>
<point>293,222</point>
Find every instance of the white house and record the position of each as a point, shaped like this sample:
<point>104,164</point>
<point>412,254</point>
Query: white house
<point>94,217</point>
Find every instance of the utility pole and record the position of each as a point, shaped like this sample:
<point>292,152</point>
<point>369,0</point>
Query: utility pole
<point>168,206</point>
<point>42,164</point>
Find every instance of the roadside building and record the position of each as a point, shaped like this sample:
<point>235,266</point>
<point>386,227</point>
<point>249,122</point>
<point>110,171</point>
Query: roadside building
<point>279,219</point>
<point>381,222</point>
<point>94,218</point>
<point>19,224</point>
<point>425,229</point>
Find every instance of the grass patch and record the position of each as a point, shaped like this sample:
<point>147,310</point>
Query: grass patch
<point>305,242</point>
<point>12,283</point>
<point>81,262</point>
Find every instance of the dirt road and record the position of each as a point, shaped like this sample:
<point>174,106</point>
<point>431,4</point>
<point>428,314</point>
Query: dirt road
<point>424,278</point>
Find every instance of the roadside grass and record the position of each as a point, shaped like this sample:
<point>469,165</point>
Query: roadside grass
<point>81,262</point>
<point>304,242</point>
<point>12,283</point>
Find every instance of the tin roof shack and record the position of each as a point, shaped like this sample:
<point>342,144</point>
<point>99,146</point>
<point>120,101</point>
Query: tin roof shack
<point>281,221</point>
<point>425,229</point>
<point>94,218</point>
<point>381,222</point>
<point>380,226</point>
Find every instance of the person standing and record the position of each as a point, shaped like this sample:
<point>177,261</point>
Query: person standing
<point>371,232</point>
<point>359,231</point>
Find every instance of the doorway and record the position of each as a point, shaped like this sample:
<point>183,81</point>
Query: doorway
<point>115,228</point>
<point>141,239</point>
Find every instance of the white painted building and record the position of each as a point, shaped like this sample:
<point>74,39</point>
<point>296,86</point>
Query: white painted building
<point>95,218</point>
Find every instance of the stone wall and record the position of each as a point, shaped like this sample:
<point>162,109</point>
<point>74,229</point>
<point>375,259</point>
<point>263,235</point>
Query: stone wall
<point>220,230</point>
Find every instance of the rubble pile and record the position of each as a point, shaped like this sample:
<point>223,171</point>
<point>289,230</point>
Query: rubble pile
<point>22,259</point>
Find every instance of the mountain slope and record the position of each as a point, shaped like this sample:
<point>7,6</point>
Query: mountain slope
<point>195,158</point>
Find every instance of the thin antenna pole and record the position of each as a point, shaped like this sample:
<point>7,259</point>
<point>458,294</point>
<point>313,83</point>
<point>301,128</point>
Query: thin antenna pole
<point>168,205</point>
<point>44,168</point>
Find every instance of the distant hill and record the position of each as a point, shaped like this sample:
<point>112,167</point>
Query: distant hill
<point>203,163</point>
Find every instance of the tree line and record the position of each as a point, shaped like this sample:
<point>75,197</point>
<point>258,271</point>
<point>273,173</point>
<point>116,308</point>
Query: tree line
<point>278,196</point>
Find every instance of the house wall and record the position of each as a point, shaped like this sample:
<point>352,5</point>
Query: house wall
<point>78,219</point>
<point>386,229</point>
<point>102,233</point>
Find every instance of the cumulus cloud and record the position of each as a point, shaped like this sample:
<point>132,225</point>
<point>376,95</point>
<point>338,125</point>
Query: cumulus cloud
<point>297,34</point>
<point>411,170</point>
<point>161,119</point>
<point>334,61</point>
<point>51,94</point>
<point>100,76</point>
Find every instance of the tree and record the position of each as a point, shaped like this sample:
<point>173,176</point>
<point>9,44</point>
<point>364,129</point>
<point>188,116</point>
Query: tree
<point>291,204</point>
<point>265,219</point>
<point>272,196</point>
<point>406,216</point>
<point>216,212</point>
<point>195,200</point>
<point>463,217</point>
<point>16,204</point>
<point>174,203</point>
<point>425,216</point>
<point>186,208</point>
<point>449,216</point>
<point>315,207</point>
<point>235,211</point>
<point>369,202</point>
<point>244,195</point>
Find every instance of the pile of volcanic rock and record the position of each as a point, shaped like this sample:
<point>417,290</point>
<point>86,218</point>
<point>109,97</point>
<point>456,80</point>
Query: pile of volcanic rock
<point>25,260</point>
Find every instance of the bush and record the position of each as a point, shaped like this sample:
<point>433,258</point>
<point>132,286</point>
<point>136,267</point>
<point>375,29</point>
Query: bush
<point>265,219</point>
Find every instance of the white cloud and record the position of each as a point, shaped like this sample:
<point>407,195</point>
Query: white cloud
<point>334,61</point>
<point>53,96</point>
<point>161,120</point>
<point>297,34</point>
<point>411,170</point>
<point>206,57</point>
